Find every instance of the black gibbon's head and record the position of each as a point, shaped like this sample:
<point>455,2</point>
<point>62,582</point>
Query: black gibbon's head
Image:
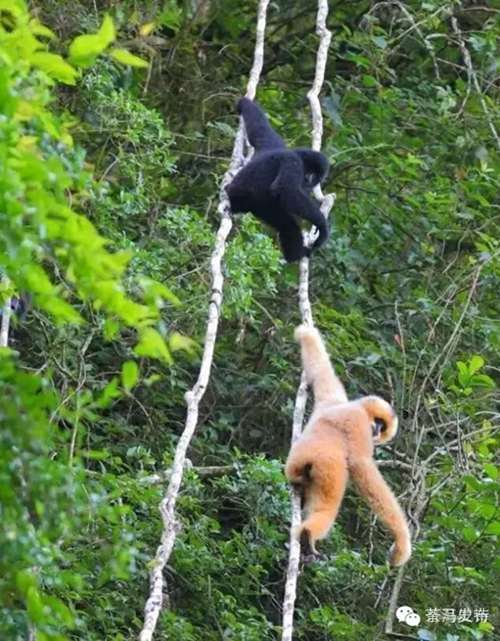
<point>316,167</point>
<point>382,417</point>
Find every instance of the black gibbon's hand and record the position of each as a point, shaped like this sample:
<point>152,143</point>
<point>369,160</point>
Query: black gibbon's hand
<point>275,185</point>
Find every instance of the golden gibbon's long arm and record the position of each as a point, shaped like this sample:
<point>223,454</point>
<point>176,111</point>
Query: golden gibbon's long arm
<point>374,489</point>
<point>319,370</point>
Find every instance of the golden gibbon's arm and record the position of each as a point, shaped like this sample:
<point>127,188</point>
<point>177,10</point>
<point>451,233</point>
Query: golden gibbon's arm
<point>374,489</point>
<point>319,371</point>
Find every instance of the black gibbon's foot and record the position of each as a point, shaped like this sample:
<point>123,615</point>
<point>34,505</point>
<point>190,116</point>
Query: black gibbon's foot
<point>299,489</point>
<point>306,548</point>
<point>308,554</point>
<point>307,559</point>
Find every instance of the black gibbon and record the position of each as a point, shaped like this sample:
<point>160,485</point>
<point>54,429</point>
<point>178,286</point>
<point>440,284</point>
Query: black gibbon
<point>19,306</point>
<point>338,442</point>
<point>275,185</point>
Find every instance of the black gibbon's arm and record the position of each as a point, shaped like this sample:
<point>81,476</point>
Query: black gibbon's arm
<point>288,186</point>
<point>259,132</point>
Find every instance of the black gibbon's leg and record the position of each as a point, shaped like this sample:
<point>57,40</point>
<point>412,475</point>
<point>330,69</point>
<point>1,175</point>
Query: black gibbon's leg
<point>295,202</point>
<point>259,132</point>
<point>308,554</point>
<point>292,241</point>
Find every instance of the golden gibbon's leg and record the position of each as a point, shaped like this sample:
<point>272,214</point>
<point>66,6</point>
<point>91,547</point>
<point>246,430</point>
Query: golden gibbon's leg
<point>382,501</point>
<point>319,370</point>
<point>323,494</point>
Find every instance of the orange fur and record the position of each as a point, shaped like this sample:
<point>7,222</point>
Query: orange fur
<point>337,442</point>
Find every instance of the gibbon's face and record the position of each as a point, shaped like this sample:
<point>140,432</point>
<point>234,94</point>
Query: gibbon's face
<point>310,179</point>
<point>379,427</point>
<point>384,431</point>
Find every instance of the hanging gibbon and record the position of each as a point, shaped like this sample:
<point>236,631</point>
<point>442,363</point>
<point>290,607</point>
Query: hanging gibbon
<point>338,442</point>
<point>276,184</point>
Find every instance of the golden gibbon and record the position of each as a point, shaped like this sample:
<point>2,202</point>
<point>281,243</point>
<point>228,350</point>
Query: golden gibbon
<point>338,442</point>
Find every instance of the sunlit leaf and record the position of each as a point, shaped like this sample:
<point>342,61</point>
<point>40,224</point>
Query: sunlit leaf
<point>491,470</point>
<point>476,363</point>
<point>85,49</point>
<point>54,66</point>
<point>147,28</point>
<point>130,374</point>
<point>126,58</point>
<point>152,344</point>
<point>178,342</point>
<point>41,30</point>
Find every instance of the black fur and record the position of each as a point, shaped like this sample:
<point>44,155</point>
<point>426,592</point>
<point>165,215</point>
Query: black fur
<point>275,184</point>
<point>19,305</point>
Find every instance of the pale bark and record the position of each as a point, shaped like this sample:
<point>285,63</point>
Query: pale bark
<point>4,330</point>
<point>193,397</point>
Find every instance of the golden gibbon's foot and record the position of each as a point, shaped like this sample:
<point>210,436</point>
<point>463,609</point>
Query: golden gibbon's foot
<point>399,554</point>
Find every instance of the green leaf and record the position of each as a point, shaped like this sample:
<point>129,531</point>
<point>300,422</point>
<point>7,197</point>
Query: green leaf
<point>178,342</point>
<point>85,49</point>
<point>54,66</point>
<point>469,533</point>
<point>482,380</point>
<point>126,58</point>
<point>130,374</point>
<point>493,528</point>
<point>111,328</point>
<point>475,363</point>
<point>154,290</point>
<point>463,373</point>
<point>25,580</point>
<point>491,470</point>
<point>369,81</point>
<point>109,393</point>
<point>171,18</point>
<point>151,344</point>
<point>107,31</point>
<point>40,29</point>
<point>380,41</point>
<point>34,604</point>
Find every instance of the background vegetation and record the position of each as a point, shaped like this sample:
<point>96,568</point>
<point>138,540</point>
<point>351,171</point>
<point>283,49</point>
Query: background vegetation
<point>111,149</point>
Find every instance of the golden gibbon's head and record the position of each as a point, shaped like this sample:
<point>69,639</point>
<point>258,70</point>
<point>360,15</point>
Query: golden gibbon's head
<point>382,417</point>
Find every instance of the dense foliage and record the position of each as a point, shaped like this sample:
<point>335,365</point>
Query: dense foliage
<point>116,125</point>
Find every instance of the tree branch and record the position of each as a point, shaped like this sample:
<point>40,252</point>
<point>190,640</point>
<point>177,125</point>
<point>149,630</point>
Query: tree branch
<point>306,315</point>
<point>171,526</point>
<point>4,330</point>
<point>472,76</point>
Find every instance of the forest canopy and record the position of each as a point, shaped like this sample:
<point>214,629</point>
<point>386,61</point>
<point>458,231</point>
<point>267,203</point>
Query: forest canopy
<point>117,124</point>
